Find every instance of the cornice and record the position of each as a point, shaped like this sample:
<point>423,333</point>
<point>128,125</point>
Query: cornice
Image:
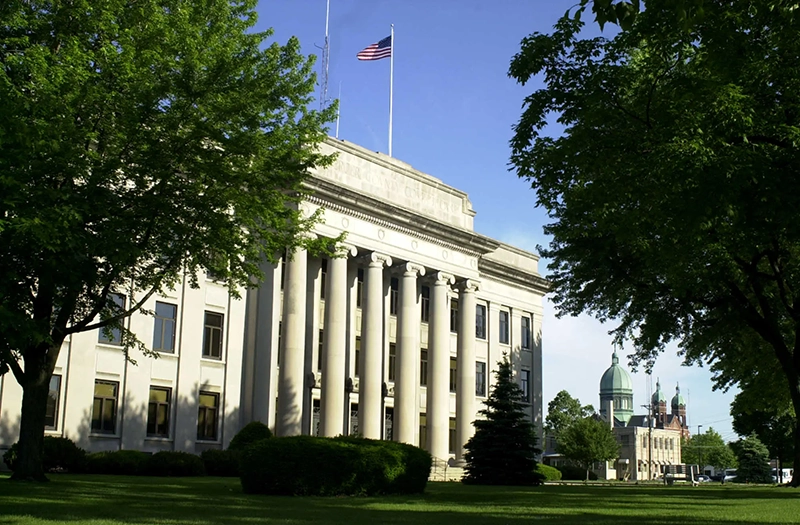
<point>513,275</point>
<point>329,195</point>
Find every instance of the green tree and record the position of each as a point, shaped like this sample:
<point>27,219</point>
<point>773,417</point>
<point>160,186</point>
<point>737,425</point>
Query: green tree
<point>673,187</point>
<point>503,450</point>
<point>588,441</point>
<point>753,459</point>
<point>768,415</point>
<point>707,449</point>
<point>142,141</point>
<point>562,411</point>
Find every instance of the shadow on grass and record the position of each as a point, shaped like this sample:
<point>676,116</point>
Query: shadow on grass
<point>200,501</point>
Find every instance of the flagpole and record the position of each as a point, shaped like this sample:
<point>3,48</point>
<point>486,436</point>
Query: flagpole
<point>391,88</point>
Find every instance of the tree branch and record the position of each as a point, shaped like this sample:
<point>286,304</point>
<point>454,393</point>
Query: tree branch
<point>9,358</point>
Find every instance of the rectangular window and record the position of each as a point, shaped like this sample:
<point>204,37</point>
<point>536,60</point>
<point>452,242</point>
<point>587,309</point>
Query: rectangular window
<point>480,378</point>
<point>525,384</point>
<point>423,430</point>
<point>394,293</point>
<point>104,409</point>
<point>358,354</point>
<point>108,334</point>
<point>453,315</point>
<point>158,410</point>
<point>164,327</point>
<point>53,397</point>
<point>320,351</point>
<point>212,336</point>
<point>280,329</point>
<point>360,287</point>
<point>283,270</point>
<point>425,304</point>
<point>525,323</point>
<point>392,361</point>
<point>207,415</point>
<point>453,374</point>
<point>451,443</point>
<point>323,278</point>
<point>423,368</point>
<point>504,327</point>
<point>480,321</point>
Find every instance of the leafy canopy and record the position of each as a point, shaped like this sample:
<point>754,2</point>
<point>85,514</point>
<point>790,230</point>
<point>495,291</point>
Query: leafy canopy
<point>503,449</point>
<point>564,410</point>
<point>707,449</point>
<point>673,189</point>
<point>587,441</point>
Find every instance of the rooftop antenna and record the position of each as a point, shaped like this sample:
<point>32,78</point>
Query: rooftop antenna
<point>326,51</point>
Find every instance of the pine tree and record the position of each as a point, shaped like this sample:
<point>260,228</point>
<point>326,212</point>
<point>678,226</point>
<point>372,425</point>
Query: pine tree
<point>503,449</point>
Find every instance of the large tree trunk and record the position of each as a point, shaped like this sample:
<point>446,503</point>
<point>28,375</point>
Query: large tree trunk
<point>39,363</point>
<point>31,432</point>
<point>794,387</point>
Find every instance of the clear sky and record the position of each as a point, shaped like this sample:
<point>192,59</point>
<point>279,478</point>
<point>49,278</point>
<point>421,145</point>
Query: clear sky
<point>454,108</point>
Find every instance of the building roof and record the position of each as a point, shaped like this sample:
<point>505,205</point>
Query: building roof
<point>677,400</point>
<point>658,395</point>
<point>616,379</point>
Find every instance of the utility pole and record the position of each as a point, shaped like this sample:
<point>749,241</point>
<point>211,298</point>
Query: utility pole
<point>649,440</point>
<point>702,468</point>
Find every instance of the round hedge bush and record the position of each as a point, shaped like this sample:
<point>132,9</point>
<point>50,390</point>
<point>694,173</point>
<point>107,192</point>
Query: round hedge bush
<point>548,473</point>
<point>221,462</point>
<point>59,454</point>
<point>572,473</point>
<point>175,464</point>
<point>313,466</point>
<point>249,434</point>
<point>119,462</point>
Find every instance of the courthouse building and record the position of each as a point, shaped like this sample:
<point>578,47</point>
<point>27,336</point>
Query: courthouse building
<point>396,338</point>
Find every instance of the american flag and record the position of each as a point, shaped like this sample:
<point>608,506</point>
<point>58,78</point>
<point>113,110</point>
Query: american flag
<point>382,49</point>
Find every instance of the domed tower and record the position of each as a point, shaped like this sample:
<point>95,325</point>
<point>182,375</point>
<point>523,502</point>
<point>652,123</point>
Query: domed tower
<point>616,386</point>
<point>659,404</point>
<point>679,406</point>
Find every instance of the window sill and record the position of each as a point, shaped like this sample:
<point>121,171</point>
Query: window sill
<point>109,346</point>
<point>103,436</point>
<point>211,360</point>
<point>166,354</point>
<point>208,442</point>
<point>159,439</point>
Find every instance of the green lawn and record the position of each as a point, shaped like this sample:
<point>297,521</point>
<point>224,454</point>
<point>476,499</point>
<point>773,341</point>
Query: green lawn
<point>107,500</point>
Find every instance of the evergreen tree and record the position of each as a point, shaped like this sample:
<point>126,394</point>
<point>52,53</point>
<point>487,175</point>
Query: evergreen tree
<point>753,459</point>
<point>503,449</point>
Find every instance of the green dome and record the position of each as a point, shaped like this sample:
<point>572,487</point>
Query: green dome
<point>658,396</point>
<point>616,378</point>
<point>678,400</point>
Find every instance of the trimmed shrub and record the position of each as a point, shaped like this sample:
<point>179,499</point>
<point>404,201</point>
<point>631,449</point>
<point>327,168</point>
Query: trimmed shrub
<point>59,454</point>
<point>251,433</point>
<point>548,473</point>
<point>175,464</point>
<point>221,462</point>
<point>572,473</point>
<point>312,466</point>
<point>119,462</point>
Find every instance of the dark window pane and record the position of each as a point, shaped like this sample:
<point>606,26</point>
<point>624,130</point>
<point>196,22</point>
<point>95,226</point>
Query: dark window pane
<point>51,413</point>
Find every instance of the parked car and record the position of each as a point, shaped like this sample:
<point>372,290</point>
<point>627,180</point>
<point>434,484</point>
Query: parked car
<point>730,475</point>
<point>702,478</point>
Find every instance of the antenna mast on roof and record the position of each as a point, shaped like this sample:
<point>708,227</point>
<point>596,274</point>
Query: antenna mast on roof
<point>326,51</point>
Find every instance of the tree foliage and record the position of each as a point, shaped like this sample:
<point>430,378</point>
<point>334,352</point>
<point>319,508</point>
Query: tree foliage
<point>563,411</point>
<point>769,417</point>
<point>707,449</point>
<point>142,142</point>
<point>588,441</point>
<point>503,450</point>
<point>674,186</point>
<point>753,459</point>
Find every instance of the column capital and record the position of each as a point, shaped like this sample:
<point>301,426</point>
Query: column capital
<point>378,259</point>
<point>413,269</point>
<point>443,278</point>
<point>469,285</point>
<point>344,251</point>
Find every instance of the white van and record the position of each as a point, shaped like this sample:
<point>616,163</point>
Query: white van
<point>787,474</point>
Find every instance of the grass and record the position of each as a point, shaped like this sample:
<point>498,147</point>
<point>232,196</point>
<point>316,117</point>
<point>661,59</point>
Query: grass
<point>114,500</point>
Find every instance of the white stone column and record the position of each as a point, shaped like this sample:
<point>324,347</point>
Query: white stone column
<point>406,386</point>
<point>334,345</point>
<point>289,421</point>
<point>438,403</point>
<point>465,363</point>
<point>370,385</point>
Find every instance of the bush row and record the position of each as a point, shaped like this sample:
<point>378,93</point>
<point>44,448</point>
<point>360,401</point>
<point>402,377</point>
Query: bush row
<point>573,473</point>
<point>306,466</point>
<point>60,454</point>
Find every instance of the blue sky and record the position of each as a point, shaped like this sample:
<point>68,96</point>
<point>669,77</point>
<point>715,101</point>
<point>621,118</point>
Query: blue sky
<point>454,108</point>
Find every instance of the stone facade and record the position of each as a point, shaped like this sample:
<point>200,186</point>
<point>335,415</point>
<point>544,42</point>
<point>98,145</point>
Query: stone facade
<point>395,338</point>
